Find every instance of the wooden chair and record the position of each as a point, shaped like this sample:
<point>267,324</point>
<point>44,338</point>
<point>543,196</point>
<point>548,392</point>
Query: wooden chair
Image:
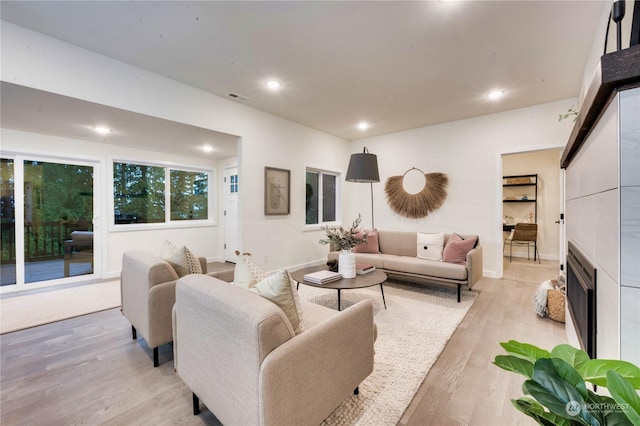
<point>524,234</point>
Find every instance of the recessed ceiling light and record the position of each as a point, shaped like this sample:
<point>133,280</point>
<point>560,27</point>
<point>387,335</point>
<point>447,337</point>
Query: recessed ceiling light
<point>273,84</point>
<point>207,148</point>
<point>495,94</point>
<point>363,125</point>
<point>102,130</point>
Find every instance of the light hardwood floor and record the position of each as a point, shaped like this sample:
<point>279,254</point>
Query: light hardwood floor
<point>87,370</point>
<point>463,387</point>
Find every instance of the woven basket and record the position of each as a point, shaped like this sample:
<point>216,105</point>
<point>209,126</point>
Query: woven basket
<point>556,304</point>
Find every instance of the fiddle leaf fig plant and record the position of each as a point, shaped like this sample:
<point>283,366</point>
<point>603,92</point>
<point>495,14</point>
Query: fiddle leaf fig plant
<point>556,385</point>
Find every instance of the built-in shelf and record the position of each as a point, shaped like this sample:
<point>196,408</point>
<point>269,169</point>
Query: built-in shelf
<point>528,182</point>
<point>521,181</point>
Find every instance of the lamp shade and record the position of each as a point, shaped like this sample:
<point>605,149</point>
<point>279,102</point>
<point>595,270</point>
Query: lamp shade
<point>363,167</point>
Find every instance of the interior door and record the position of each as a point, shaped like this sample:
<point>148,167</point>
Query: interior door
<point>231,188</point>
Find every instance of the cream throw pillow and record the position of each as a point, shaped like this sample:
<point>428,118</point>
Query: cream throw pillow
<point>278,288</point>
<point>180,258</point>
<point>281,290</point>
<point>247,273</point>
<point>430,246</point>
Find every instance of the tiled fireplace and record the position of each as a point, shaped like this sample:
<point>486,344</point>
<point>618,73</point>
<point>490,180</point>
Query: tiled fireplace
<point>603,228</point>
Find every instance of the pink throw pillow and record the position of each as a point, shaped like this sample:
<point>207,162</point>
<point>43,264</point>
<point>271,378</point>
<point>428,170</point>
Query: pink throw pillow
<point>371,246</point>
<point>456,249</point>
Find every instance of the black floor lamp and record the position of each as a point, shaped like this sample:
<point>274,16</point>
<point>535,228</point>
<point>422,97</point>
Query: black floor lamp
<point>363,167</point>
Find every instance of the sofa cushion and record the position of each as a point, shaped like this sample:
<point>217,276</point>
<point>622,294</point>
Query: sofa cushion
<point>400,243</point>
<point>415,265</point>
<point>281,290</point>
<point>430,246</point>
<point>315,314</point>
<point>376,260</point>
<point>457,248</point>
<point>371,246</point>
<point>180,258</point>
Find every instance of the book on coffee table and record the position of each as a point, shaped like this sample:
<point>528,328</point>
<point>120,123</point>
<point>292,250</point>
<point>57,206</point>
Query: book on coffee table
<point>322,277</point>
<point>364,269</point>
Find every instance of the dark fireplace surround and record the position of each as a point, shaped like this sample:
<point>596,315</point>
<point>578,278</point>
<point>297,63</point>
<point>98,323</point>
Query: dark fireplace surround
<point>581,298</point>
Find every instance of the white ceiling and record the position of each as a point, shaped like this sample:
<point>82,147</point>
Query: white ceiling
<point>397,64</point>
<point>37,111</point>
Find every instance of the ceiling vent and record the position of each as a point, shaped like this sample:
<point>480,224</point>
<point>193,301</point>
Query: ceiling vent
<point>237,97</point>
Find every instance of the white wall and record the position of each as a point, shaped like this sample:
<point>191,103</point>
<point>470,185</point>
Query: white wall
<point>35,60</point>
<point>546,164</point>
<point>469,152</point>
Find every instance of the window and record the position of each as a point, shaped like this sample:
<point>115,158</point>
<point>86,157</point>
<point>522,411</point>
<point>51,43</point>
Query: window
<point>189,195</point>
<point>233,184</point>
<point>155,194</point>
<point>138,193</point>
<point>321,196</point>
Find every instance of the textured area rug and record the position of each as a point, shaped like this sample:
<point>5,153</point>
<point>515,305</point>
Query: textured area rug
<point>20,311</point>
<point>412,332</point>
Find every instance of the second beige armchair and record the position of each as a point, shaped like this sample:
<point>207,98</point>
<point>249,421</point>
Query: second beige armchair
<point>148,293</point>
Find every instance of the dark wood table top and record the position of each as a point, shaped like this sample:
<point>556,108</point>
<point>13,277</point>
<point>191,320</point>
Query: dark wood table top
<point>359,281</point>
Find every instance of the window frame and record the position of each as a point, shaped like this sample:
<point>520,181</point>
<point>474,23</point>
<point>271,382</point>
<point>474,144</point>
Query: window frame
<point>338,198</point>
<point>168,223</point>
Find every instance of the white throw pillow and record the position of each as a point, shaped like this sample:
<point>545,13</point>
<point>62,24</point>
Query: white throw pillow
<point>281,290</point>
<point>180,258</point>
<point>430,246</point>
<point>247,273</point>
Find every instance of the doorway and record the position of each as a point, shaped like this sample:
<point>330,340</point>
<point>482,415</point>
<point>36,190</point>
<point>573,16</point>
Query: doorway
<point>50,235</point>
<point>519,206</point>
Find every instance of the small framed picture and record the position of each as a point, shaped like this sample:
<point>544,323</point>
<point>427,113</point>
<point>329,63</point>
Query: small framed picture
<point>277,184</point>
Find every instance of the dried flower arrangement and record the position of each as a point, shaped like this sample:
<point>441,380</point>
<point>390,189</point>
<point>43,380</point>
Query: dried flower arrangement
<point>343,238</point>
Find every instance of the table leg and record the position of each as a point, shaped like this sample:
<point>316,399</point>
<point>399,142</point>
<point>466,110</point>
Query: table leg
<point>383,301</point>
<point>338,299</point>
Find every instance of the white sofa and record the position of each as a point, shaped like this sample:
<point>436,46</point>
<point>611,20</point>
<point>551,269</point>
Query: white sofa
<point>398,251</point>
<point>238,353</point>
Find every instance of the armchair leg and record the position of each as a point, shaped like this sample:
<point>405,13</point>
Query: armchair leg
<point>155,357</point>
<point>196,404</point>
<point>134,333</point>
<point>356,391</point>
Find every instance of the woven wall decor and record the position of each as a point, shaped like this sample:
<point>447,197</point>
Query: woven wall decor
<point>414,206</point>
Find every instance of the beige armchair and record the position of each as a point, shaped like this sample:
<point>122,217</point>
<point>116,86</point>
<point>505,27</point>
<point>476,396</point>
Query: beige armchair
<point>147,288</point>
<point>238,353</point>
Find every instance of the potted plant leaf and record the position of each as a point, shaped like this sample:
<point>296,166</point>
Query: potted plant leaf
<point>556,383</point>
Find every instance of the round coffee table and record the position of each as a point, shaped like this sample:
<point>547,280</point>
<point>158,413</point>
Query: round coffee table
<point>359,281</point>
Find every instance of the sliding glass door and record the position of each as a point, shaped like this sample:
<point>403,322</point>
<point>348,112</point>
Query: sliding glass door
<point>49,235</point>
<point>8,223</point>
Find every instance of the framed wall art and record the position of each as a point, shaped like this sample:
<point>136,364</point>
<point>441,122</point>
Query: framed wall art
<point>277,189</point>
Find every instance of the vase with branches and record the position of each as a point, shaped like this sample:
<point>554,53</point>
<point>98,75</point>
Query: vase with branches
<point>344,238</point>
